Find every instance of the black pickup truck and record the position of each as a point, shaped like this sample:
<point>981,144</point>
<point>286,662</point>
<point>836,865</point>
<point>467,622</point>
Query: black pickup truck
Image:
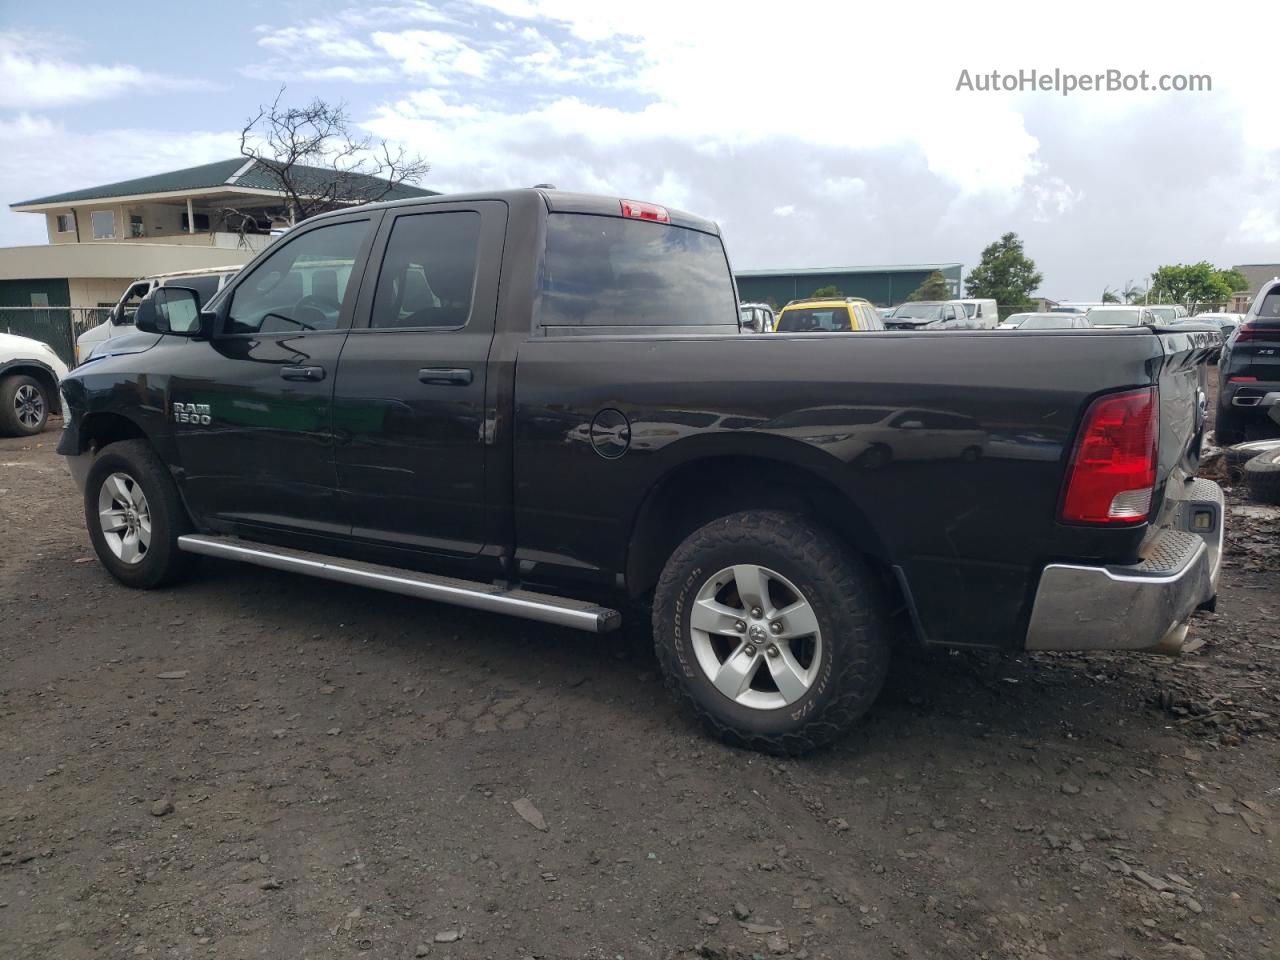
<point>538,403</point>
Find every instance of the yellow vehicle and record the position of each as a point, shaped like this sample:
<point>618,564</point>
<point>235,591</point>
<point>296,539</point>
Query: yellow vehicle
<point>828,315</point>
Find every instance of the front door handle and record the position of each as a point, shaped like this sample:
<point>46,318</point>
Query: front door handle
<point>445,376</point>
<point>302,373</point>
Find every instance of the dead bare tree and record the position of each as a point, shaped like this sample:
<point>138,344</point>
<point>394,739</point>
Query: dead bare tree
<point>312,156</point>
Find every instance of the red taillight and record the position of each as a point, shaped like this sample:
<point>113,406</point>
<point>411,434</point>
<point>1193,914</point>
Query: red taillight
<point>1113,467</point>
<point>1246,331</point>
<point>1242,379</point>
<point>645,211</point>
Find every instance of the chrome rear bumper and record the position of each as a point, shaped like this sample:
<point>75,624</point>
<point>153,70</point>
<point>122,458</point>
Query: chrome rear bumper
<point>1143,606</point>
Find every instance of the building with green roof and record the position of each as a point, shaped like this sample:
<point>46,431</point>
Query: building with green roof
<point>103,238</point>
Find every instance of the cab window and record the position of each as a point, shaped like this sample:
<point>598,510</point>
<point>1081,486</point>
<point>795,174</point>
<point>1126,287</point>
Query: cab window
<point>302,285</point>
<point>428,272</point>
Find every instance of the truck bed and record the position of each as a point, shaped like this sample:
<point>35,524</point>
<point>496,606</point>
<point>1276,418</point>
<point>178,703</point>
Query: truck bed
<point>949,448</point>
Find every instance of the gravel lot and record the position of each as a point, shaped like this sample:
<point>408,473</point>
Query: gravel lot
<point>258,765</point>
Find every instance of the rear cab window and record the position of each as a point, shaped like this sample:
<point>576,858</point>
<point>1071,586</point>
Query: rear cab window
<point>603,274</point>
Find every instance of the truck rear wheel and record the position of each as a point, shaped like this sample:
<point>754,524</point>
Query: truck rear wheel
<point>135,516</point>
<point>771,631</point>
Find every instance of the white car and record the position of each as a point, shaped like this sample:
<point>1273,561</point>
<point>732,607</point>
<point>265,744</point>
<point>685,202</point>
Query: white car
<point>29,376</point>
<point>120,321</point>
<point>981,311</point>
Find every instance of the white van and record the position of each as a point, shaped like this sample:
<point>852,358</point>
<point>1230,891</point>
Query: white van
<point>120,320</point>
<point>981,312</point>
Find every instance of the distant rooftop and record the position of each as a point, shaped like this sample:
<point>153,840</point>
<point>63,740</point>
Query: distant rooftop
<point>238,172</point>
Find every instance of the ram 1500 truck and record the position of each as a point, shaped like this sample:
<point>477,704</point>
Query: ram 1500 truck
<point>538,403</point>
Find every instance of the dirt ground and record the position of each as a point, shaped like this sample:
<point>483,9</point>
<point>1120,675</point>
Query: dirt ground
<point>257,765</point>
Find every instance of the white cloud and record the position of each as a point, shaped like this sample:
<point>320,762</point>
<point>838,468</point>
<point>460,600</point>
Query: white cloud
<point>32,77</point>
<point>42,156</point>
<point>786,210</point>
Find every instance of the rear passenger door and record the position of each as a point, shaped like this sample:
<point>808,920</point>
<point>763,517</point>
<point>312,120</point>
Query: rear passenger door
<point>410,419</point>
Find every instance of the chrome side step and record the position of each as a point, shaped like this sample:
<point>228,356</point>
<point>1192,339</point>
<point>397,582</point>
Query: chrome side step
<point>577,614</point>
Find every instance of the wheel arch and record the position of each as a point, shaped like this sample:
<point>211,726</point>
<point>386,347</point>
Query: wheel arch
<point>101,428</point>
<point>41,373</point>
<point>698,491</point>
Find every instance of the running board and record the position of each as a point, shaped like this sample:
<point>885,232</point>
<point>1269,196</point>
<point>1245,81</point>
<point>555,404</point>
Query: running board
<point>577,614</point>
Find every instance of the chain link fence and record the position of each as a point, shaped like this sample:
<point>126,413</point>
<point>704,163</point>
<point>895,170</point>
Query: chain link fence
<point>57,326</point>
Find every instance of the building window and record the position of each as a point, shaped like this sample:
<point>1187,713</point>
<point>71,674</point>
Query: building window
<point>202,221</point>
<point>66,222</point>
<point>104,224</point>
<point>136,229</point>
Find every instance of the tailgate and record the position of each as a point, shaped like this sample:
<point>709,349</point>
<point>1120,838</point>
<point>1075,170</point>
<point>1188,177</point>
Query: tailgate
<point>1184,397</point>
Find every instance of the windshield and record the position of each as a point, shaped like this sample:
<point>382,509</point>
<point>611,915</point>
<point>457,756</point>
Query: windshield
<point>811,319</point>
<point>918,311</point>
<point>1165,314</point>
<point>1048,321</point>
<point>1115,318</point>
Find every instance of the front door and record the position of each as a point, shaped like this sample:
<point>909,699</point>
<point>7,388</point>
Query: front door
<point>410,417</point>
<point>252,410</point>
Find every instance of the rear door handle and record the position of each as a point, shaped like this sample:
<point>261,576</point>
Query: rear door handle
<point>302,373</point>
<point>445,376</point>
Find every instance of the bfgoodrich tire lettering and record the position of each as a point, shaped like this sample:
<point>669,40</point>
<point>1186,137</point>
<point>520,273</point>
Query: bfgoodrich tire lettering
<point>131,472</point>
<point>843,675</point>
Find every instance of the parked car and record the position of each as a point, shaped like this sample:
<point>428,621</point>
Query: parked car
<point>984,312</point>
<point>828,315</point>
<point>30,372</point>
<point>120,320</point>
<point>756,317</point>
<point>1054,321</point>
<point>1168,312</point>
<point>920,313</point>
<point>1114,315</point>
<point>461,429</point>
<point>1226,322</point>
<point>1249,372</point>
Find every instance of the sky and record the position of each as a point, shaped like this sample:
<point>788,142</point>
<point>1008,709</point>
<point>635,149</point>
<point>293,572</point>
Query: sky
<point>816,134</point>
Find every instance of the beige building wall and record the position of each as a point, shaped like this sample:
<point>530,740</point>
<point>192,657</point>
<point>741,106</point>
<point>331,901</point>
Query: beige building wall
<point>96,291</point>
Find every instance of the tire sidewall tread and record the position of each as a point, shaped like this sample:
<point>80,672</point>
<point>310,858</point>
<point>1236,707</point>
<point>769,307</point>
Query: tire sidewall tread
<point>845,598</point>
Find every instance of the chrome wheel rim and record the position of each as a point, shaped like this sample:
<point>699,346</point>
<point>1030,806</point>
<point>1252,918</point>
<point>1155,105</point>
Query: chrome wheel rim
<point>756,637</point>
<point>28,404</point>
<point>125,517</point>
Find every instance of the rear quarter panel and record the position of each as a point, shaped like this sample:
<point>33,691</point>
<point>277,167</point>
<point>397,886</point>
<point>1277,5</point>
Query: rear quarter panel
<point>966,532</point>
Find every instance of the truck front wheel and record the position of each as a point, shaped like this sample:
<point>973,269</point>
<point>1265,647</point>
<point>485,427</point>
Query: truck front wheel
<point>135,516</point>
<point>771,631</point>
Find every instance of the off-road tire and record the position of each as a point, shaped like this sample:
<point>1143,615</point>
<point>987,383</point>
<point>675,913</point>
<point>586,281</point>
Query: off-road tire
<point>1262,475</point>
<point>845,596</point>
<point>163,563</point>
<point>10,425</point>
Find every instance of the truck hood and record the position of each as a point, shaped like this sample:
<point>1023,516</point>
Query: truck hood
<point>128,343</point>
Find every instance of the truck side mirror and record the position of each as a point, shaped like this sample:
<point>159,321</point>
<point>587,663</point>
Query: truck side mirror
<point>172,310</point>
